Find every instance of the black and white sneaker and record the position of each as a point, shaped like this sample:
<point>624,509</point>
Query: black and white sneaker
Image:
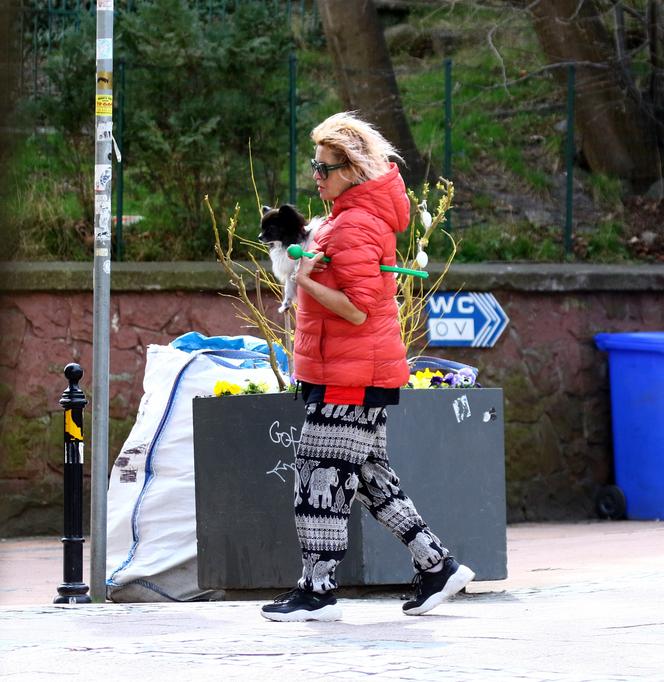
<point>300,605</point>
<point>434,588</point>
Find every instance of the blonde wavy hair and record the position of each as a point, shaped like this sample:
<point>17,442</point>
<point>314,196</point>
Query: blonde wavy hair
<point>356,142</point>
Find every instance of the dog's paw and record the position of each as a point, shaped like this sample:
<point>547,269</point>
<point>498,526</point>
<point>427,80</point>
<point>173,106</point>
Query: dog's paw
<point>285,306</point>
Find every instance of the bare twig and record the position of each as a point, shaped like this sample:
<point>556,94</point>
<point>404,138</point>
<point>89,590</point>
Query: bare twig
<point>252,313</point>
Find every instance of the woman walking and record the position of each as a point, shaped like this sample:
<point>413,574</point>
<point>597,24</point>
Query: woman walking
<point>351,361</point>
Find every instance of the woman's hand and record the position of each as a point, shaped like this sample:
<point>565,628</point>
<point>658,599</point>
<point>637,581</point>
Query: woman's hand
<point>309,265</point>
<point>332,299</point>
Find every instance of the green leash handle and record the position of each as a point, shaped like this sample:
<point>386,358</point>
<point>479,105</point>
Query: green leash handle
<point>296,251</point>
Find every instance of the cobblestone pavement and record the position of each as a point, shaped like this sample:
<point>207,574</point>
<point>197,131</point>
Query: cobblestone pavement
<point>584,602</point>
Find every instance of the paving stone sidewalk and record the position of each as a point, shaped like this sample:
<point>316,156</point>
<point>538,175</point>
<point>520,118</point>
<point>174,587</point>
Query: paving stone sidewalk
<point>583,602</point>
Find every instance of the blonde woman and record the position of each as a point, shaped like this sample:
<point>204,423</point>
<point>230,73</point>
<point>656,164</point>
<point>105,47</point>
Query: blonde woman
<point>350,362</point>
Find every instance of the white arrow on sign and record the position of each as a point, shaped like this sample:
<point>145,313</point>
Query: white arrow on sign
<point>477,323</point>
<point>496,320</point>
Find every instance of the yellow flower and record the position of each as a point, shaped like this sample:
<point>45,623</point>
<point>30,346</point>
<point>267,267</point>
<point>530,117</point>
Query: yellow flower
<point>226,388</point>
<point>422,378</point>
<point>253,387</point>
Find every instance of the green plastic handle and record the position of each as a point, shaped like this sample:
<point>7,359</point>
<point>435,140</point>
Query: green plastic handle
<point>296,251</point>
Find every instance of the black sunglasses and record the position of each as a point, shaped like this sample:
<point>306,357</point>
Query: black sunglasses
<point>323,169</point>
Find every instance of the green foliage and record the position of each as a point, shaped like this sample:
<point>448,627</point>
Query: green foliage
<point>198,89</point>
<point>605,190</point>
<point>66,106</point>
<point>200,84</point>
<point>45,205</point>
<point>515,242</point>
<point>605,243</point>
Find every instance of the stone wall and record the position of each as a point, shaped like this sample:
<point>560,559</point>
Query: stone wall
<point>557,413</point>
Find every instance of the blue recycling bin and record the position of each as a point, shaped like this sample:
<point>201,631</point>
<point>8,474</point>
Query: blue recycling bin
<point>636,371</point>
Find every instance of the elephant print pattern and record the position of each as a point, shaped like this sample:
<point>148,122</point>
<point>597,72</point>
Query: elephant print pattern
<point>320,487</point>
<point>342,456</point>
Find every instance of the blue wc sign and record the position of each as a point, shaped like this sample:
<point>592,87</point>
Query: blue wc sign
<point>473,319</point>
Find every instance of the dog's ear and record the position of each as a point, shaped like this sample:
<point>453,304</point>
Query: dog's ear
<point>289,212</point>
<point>265,209</point>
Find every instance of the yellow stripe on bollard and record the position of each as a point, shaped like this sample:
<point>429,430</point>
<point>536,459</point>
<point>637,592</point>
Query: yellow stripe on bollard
<point>71,427</point>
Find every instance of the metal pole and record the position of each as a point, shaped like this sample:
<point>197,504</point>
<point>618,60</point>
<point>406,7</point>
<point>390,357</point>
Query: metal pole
<point>569,160</point>
<point>101,296</point>
<point>119,187</point>
<point>73,590</point>
<point>292,84</point>
<point>447,159</point>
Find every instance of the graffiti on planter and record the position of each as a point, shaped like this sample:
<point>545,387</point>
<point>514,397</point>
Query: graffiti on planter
<point>287,439</point>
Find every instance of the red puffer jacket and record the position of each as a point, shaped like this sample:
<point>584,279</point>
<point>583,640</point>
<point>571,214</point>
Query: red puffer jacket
<point>359,236</point>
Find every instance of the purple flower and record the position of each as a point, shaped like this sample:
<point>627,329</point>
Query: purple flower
<point>436,381</point>
<point>451,379</point>
<point>466,377</point>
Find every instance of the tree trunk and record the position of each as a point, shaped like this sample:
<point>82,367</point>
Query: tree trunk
<point>618,132</point>
<point>365,76</point>
<point>655,28</point>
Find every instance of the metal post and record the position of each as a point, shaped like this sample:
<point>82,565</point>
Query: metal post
<point>101,296</point>
<point>292,84</point>
<point>569,160</point>
<point>447,160</point>
<point>73,590</point>
<point>119,187</point>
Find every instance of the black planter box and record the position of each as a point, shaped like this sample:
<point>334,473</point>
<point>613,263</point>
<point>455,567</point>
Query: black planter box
<point>446,445</point>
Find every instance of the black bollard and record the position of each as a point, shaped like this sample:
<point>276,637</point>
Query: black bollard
<point>73,590</point>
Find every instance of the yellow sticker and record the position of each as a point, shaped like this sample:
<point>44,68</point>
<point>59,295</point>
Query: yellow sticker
<point>105,80</point>
<point>104,105</point>
<point>71,427</point>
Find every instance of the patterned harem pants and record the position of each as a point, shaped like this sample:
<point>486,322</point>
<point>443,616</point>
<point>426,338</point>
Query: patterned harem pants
<point>342,455</point>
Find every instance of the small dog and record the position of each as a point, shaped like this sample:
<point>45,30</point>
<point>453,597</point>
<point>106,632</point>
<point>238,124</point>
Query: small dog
<point>281,227</point>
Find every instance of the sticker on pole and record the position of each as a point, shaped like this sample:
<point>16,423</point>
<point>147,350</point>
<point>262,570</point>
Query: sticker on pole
<point>105,80</point>
<point>105,48</point>
<point>104,105</point>
<point>104,131</point>
<point>103,175</point>
<point>472,319</point>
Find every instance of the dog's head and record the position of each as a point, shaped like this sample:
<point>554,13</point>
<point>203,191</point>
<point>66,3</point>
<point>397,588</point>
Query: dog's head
<point>284,224</point>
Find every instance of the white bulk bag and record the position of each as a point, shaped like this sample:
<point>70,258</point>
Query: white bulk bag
<point>151,541</point>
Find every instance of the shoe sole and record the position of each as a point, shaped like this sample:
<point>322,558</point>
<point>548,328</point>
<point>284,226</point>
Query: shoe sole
<point>327,613</point>
<point>455,583</point>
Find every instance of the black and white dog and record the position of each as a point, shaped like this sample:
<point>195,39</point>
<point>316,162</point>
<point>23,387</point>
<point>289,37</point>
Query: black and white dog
<point>280,228</point>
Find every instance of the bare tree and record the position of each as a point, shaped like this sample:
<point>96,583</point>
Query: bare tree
<point>619,120</point>
<point>365,76</point>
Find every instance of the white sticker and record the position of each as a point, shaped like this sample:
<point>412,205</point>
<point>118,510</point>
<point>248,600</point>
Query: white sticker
<point>104,131</point>
<point>101,234</point>
<point>102,176</point>
<point>107,267</point>
<point>102,203</point>
<point>104,222</point>
<point>101,252</point>
<point>81,457</point>
<point>105,48</point>
<point>105,5</point>
<point>461,408</point>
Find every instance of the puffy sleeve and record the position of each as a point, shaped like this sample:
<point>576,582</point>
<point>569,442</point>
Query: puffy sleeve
<point>356,249</point>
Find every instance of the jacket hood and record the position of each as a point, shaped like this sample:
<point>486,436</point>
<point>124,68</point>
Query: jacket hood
<point>384,197</point>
